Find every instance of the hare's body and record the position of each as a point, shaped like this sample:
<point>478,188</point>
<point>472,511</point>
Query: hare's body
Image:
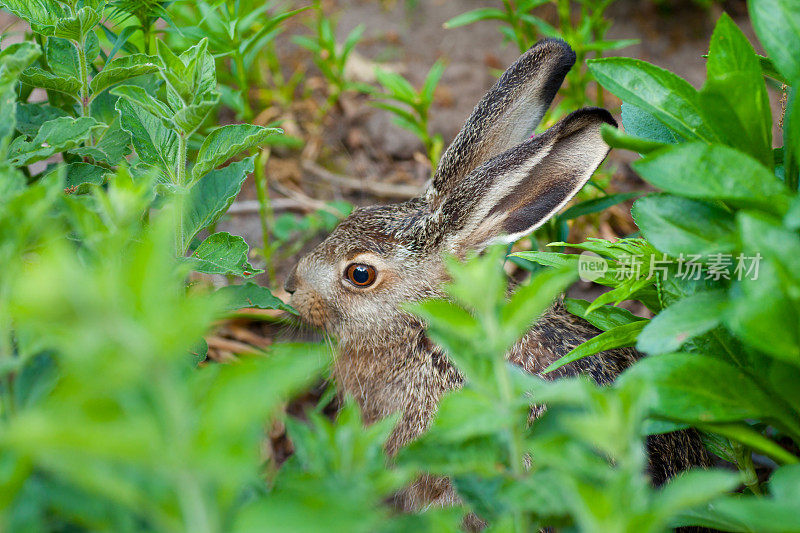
<point>495,183</point>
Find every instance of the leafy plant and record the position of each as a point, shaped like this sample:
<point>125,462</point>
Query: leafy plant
<point>414,115</point>
<point>723,346</point>
<point>330,57</point>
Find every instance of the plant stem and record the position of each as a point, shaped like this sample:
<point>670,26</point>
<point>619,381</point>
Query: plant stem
<point>180,173</point>
<point>84,73</point>
<point>744,461</point>
<point>264,211</point>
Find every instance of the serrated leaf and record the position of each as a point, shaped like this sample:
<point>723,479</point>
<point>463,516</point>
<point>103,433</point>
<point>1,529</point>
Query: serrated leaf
<point>251,295</point>
<point>139,97</point>
<point>47,80</point>
<point>30,117</point>
<point>227,142</point>
<point>189,118</point>
<point>53,137</point>
<point>75,27</point>
<point>210,197</point>
<point>154,144</point>
<point>122,69</point>
<point>222,253</point>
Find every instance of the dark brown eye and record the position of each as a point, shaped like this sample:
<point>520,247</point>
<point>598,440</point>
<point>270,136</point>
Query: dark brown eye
<point>360,275</point>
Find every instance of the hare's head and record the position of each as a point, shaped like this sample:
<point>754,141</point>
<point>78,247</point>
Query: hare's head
<point>495,183</point>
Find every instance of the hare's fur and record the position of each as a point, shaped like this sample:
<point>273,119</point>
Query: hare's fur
<point>495,182</point>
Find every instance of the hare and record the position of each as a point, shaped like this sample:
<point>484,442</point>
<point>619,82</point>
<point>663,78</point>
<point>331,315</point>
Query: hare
<point>495,183</point>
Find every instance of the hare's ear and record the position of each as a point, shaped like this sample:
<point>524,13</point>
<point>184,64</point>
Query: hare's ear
<point>516,191</point>
<point>507,115</point>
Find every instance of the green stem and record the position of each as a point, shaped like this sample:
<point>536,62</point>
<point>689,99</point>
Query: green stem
<point>744,461</point>
<point>83,65</point>
<point>180,173</point>
<point>265,212</point>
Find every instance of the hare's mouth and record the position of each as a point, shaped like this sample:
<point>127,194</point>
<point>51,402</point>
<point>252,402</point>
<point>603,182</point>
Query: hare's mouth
<point>312,309</point>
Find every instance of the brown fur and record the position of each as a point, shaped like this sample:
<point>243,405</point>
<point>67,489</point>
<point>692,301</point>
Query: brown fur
<point>494,180</point>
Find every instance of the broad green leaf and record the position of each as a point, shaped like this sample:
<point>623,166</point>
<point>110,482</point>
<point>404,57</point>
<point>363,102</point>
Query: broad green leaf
<point>79,176</point>
<point>698,388</point>
<point>30,117</point>
<point>532,299</point>
<point>640,123</point>
<point>154,143</point>
<point>251,295</point>
<point>75,27</point>
<point>765,308</point>
<point>677,225</point>
<point>122,69</point>
<point>138,97</point>
<point>53,137</point>
<point>62,58</point>
<point>682,321</point>
<point>694,487</point>
<point>209,198</point>
<point>665,95</point>
<point>604,317</point>
<point>42,15</point>
<point>734,98</point>
<point>222,253</point>
<point>47,80</point>
<point>13,60</point>
<point>777,24</point>
<point>191,116</point>
<point>111,147</point>
<point>713,172</point>
<point>470,17</point>
<point>227,142</point>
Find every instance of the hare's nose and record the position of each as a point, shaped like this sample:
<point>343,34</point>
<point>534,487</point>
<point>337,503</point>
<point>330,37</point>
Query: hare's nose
<point>291,282</point>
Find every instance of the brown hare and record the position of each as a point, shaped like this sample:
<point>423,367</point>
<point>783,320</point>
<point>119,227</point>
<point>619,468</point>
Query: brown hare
<point>495,183</point>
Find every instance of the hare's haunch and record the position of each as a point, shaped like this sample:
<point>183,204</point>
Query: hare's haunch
<point>496,182</point>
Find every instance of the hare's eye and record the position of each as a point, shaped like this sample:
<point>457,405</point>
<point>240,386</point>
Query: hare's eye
<point>360,275</point>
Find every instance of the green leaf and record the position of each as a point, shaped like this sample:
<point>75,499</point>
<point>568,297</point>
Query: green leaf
<point>53,137</point>
<point>640,123</point>
<point>191,116</point>
<point>138,97</point>
<point>74,28</point>
<point>604,317</point>
<point>80,176</point>
<point>122,69</point>
<point>532,299</point>
<point>791,140</point>
<point>734,98</point>
<point>210,197</point>
<point>682,321</point>
<point>227,142</point>
<point>713,172</point>
<point>251,295</point>
<point>154,144</point>
<point>30,117</point>
<point>112,146</point>
<point>42,15</point>
<point>431,81</point>
<point>677,225</point>
<point>665,95</point>
<point>37,77</point>
<point>777,24</point>
<point>470,17</point>
<point>222,253</point>
<point>616,337</point>
<point>694,487</point>
<point>617,139</point>
<point>397,85</point>
<point>698,388</point>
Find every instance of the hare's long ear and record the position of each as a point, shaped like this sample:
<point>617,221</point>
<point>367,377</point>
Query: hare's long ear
<point>507,115</point>
<point>518,190</point>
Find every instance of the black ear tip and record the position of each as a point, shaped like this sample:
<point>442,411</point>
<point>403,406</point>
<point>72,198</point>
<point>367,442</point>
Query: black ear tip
<point>597,113</point>
<point>556,47</point>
